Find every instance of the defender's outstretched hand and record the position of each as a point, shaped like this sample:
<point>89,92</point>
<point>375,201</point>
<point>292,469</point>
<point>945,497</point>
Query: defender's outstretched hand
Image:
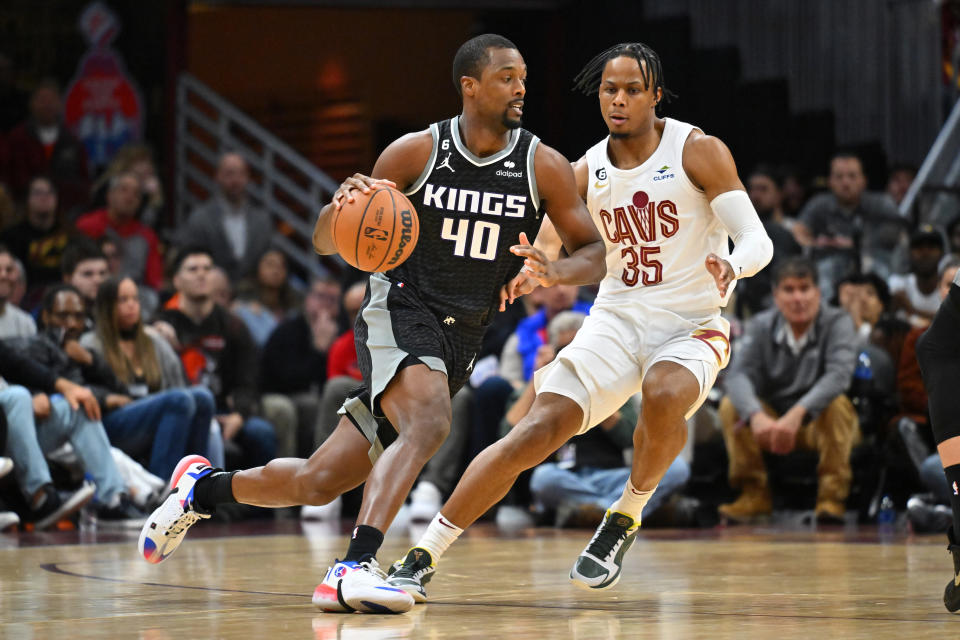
<point>519,285</point>
<point>536,265</point>
<point>721,271</point>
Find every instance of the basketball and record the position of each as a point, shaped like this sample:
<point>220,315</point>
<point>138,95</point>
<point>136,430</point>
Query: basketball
<point>377,231</point>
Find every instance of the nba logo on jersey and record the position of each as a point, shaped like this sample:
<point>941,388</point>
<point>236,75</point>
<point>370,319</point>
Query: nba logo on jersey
<point>955,492</point>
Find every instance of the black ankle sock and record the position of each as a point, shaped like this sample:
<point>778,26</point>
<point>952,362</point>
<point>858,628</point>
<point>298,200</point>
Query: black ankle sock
<point>953,479</point>
<point>214,489</point>
<point>364,544</point>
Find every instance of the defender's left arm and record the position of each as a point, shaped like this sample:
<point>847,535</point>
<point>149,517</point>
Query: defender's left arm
<point>586,261</point>
<point>708,162</point>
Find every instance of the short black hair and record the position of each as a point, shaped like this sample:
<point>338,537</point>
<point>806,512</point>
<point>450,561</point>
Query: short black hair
<point>46,178</point>
<point>186,252</point>
<point>902,166</point>
<point>795,267</point>
<point>51,294</point>
<point>79,250</point>
<point>879,285</point>
<point>768,171</point>
<point>473,56</point>
<point>588,80</point>
<point>847,153</point>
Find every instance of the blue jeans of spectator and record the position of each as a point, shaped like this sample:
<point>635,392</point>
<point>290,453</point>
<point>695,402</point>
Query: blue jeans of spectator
<point>933,478</point>
<point>28,440</point>
<point>166,425</point>
<point>258,441</point>
<point>554,487</point>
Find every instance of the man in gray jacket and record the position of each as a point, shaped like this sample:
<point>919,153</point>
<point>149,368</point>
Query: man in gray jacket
<point>785,390</point>
<point>235,232</point>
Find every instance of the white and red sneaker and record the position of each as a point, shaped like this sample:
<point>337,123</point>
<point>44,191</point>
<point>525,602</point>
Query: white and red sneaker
<point>166,526</point>
<point>359,586</point>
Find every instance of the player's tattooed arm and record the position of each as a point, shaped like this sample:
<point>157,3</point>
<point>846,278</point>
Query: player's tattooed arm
<point>399,166</point>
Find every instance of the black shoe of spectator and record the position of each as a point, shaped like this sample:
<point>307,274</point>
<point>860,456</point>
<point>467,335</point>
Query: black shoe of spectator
<point>122,515</point>
<point>57,505</point>
<point>926,516</point>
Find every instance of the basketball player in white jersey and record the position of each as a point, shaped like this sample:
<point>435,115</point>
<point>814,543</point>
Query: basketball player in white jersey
<point>665,197</point>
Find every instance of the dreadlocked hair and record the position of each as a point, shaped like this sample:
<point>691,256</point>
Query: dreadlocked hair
<point>588,80</point>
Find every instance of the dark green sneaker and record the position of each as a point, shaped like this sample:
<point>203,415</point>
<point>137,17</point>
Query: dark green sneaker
<point>599,565</point>
<point>951,595</point>
<point>412,573</point>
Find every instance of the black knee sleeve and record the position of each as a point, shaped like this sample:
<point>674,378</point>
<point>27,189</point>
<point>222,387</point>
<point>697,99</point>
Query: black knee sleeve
<point>938,352</point>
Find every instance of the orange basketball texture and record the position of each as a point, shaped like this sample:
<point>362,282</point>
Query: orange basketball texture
<point>377,231</point>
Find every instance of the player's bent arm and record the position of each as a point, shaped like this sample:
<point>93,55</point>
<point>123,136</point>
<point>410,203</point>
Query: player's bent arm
<point>548,240</point>
<point>401,162</point>
<point>710,165</point>
<point>586,263</point>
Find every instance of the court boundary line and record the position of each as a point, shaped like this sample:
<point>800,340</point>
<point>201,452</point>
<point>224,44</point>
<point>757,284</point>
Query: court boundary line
<point>53,567</point>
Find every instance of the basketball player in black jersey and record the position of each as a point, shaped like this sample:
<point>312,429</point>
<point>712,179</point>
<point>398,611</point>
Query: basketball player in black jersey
<point>480,184</point>
<point>938,352</point>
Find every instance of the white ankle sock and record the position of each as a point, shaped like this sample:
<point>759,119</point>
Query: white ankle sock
<point>439,535</point>
<point>632,501</point>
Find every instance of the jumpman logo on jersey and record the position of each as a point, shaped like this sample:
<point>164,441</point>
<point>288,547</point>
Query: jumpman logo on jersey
<point>446,164</point>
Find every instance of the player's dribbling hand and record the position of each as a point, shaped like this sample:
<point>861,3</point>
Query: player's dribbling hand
<point>536,265</point>
<point>721,271</point>
<point>358,182</point>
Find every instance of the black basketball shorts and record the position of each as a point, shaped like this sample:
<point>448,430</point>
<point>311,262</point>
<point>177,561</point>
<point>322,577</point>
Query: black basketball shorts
<point>394,330</point>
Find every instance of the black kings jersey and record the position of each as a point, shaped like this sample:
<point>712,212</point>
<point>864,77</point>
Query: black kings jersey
<point>471,212</point>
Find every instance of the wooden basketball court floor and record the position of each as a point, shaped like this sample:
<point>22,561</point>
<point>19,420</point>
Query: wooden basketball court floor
<point>255,581</point>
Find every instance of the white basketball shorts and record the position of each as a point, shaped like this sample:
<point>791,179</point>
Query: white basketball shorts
<point>605,363</point>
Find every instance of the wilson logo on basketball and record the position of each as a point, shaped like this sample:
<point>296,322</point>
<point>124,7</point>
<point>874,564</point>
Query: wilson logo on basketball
<point>406,234</point>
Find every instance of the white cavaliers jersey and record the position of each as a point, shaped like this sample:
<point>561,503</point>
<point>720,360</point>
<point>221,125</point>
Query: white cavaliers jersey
<point>658,229</point>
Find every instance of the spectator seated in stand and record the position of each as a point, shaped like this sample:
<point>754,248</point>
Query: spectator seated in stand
<point>136,159</point>
<point>218,353</point>
<point>785,390</point>
<point>43,146</point>
<point>865,297</point>
<point>43,414</point>
<point>850,229</point>
<point>266,301</point>
<point>84,267</point>
<point>14,321</point>
<point>236,232</point>
<point>140,249</point>
<point>38,240</point>
<point>916,295</point>
<point>899,179</point>
<point>156,418</point>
